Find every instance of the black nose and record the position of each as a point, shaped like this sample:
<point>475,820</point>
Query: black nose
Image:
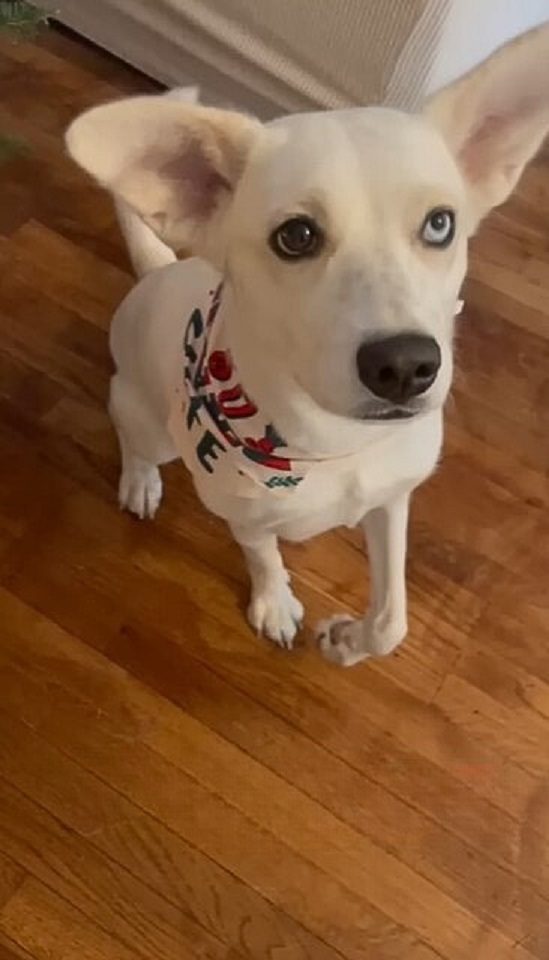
<point>399,368</point>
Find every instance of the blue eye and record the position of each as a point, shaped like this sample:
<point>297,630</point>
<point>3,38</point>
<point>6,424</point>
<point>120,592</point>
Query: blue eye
<point>439,228</point>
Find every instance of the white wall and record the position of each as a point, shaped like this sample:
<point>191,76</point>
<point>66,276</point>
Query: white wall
<point>474,28</point>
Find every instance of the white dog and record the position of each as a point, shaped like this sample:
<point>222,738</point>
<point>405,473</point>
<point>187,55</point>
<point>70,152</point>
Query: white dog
<point>300,363</point>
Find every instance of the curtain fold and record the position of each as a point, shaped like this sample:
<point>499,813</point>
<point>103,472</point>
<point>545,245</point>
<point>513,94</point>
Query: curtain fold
<point>272,56</point>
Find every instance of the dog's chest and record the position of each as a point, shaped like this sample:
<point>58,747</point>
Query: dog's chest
<point>342,494</point>
<point>339,492</point>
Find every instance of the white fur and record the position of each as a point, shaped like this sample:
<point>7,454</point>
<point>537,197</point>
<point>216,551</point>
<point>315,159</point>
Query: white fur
<point>146,251</point>
<point>221,182</point>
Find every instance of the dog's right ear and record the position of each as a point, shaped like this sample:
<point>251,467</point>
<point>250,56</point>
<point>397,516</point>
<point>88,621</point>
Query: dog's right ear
<point>175,164</point>
<point>495,118</point>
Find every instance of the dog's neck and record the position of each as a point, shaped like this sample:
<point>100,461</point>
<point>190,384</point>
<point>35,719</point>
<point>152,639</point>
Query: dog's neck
<point>304,424</point>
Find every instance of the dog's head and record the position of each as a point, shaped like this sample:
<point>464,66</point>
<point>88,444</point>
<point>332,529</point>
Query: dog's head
<point>342,235</point>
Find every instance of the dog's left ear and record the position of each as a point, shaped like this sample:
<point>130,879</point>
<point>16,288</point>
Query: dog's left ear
<point>175,164</point>
<point>495,118</point>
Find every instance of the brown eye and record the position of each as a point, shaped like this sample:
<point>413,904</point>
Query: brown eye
<point>296,238</point>
<point>439,228</point>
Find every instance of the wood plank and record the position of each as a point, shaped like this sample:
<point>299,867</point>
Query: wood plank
<point>9,950</point>
<point>112,900</point>
<point>188,880</point>
<point>263,860</point>
<point>47,928</point>
<point>210,761</point>
<point>11,878</point>
<point>71,276</point>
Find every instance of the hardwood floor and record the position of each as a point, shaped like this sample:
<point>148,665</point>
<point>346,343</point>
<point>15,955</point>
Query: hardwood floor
<point>171,788</point>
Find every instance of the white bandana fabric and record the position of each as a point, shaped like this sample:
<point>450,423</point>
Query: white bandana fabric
<point>218,430</point>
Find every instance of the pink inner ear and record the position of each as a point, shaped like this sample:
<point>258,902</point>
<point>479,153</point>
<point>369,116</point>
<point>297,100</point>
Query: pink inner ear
<point>196,183</point>
<point>495,141</point>
<point>480,149</point>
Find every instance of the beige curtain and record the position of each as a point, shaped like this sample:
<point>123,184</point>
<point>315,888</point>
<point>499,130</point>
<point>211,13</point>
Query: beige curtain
<point>273,56</point>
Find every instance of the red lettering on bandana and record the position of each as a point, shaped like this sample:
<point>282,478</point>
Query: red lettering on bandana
<point>228,401</point>
<point>220,366</point>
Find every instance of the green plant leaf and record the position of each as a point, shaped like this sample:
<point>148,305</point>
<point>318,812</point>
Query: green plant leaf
<point>20,18</point>
<point>10,147</point>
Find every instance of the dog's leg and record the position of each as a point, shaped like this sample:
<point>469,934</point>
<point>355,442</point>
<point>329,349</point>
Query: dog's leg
<point>274,611</point>
<point>140,487</point>
<point>144,444</point>
<point>346,641</point>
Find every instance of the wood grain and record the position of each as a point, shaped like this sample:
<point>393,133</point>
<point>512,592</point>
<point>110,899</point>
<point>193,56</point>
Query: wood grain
<point>169,786</point>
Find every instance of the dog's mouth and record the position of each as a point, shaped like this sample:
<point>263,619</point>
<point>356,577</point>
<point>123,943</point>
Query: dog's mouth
<point>393,413</point>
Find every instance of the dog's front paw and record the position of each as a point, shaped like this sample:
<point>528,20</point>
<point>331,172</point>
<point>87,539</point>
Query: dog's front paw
<point>276,613</point>
<point>340,640</point>
<point>140,491</point>
<point>346,642</point>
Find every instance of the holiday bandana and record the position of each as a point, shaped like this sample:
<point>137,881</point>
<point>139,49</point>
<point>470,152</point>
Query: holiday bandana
<point>217,427</point>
